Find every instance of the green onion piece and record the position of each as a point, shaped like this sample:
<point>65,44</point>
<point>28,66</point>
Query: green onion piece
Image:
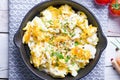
<point>50,22</point>
<point>57,54</point>
<point>64,30</point>
<point>73,63</point>
<point>67,58</point>
<point>72,34</point>
<point>76,43</point>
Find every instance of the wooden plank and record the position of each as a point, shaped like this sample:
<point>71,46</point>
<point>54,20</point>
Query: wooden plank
<point>110,50</point>
<point>113,26</point>
<point>3,21</point>
<point>111,74</point>
<point>3,4</point>
<point>4,39</point>
<point>3,55</point>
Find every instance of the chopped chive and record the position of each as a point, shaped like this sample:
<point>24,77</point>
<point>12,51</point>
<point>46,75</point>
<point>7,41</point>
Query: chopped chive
<point>57,64</point>
<point>72,34</point>
<point>64,29</point>
<point>73,63</point>
<point>66,24</point>
<point>76,43</point>
<point>52,54</point>
<point>57,54</point>
<point>60,56</point>
<point>50,22</point>
<point>67,58</point>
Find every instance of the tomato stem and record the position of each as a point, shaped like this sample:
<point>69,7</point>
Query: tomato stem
<point>116,5</point>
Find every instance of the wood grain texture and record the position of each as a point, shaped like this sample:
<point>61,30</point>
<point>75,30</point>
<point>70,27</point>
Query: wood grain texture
<point>113,26</point>
<point>3,39</point>
<point>3,4</point>
<point>110,73</point>
<point>111,50</point>
<point>3,21</point>
<point>3,55</point>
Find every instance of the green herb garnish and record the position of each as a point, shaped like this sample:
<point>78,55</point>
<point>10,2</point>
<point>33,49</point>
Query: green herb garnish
<point>58,55</point>
<point>76,43</point>
<point>116,5</point>
<point>72,34</point>
<point>66,24</point>
<point>73,63</point>
<point>50,22</point>
<point>67,58</point>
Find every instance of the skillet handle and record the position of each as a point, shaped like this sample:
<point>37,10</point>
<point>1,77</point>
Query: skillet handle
<point>16,39</point>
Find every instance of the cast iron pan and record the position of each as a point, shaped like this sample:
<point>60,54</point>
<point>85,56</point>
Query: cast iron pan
<point>35,11</point>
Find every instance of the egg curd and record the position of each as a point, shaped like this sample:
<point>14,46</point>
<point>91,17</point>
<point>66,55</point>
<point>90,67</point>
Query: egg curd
<point>61,41</point>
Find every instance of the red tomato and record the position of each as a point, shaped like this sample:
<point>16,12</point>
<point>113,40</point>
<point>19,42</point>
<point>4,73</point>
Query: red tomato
<point>102,2</point>
<point>114,7</point>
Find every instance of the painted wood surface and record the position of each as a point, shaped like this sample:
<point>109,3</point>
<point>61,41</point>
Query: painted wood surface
<point>3,38</point>
<point>113,26</point>
<point>110,52</point>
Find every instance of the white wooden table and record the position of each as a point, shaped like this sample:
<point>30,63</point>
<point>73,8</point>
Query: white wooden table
<point>113,32</point>
<point>3,38</point>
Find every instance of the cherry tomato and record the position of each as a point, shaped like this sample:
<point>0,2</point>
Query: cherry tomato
<point>102,2</point>
<point>114,7</point>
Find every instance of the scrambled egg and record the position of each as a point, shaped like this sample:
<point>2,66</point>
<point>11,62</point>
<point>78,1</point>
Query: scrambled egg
<point>61,41</point>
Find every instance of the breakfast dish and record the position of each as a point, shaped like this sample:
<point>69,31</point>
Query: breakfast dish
<point>61,41</point>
